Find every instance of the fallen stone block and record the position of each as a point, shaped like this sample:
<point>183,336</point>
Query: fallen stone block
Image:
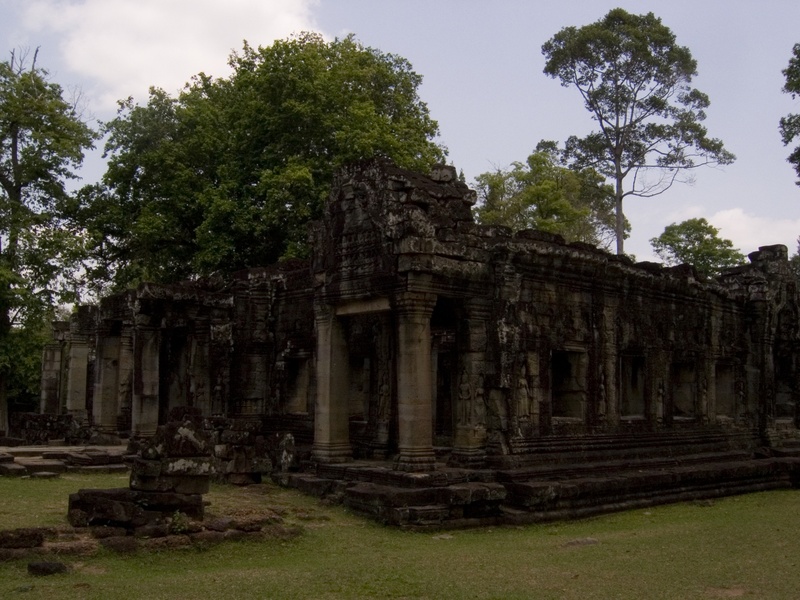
<point>123,507</point>
<point>105,531</point>
<point>26,537</point>
<point>124,544</point>
<point>166,543</point>
<point>12,470</point>
<point>45,475</point>
<point>179,484</point>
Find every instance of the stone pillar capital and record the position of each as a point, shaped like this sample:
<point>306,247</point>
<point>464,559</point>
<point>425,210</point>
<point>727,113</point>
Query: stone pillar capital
<point>323,312</point>
<point>415,303</point>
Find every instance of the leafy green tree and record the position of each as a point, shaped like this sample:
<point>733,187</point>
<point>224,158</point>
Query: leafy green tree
<point>790,124</point>
<point>42,139</point>
<point>696,242</point>
<point>542,194</point>
<point>635,81</point>
<point>228,174</point>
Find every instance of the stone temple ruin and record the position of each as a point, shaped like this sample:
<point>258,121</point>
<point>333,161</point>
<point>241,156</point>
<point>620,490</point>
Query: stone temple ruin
<point>437,370</point>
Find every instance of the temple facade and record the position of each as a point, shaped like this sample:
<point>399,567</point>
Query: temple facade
<point>417,336</point>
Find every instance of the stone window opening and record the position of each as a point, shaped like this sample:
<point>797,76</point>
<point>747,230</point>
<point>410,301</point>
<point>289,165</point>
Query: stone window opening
<point>298,383</point>
<point>724,391</point>
<point>632,386</point>
<point>684,391</point>
<point>568,376</point>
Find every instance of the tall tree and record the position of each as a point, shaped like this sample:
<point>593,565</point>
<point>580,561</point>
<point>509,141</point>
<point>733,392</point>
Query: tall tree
<point>42,139</point>
<point>696,242</point>
<point>543,194</point>
<point>635,81</point>
<point>790,124</point>
<point>227,175</point>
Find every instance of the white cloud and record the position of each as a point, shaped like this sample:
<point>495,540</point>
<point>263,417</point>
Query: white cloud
<point>748,231</point>
<point>745,229</point>
<point>124,46</point>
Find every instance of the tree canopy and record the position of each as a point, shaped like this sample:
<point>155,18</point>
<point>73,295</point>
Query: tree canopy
<point>696,242</point>
<point>227,174</point>
<point>543,194</point>
<point>42,139</point>
<point>790,124</point>
<point>635,81</point>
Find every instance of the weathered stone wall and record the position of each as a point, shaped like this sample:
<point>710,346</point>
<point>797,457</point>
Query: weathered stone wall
<point>413,329</point>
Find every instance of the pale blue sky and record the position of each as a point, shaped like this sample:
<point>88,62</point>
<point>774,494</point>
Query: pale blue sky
<point>482,67</point>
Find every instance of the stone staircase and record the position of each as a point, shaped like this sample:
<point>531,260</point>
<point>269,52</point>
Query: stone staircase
<point>564,478</point>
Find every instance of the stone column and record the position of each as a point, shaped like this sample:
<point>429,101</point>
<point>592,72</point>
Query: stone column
<point>105,407</point>
<point>144,412</point>
<point>76,379</point>
<point>50,401</point>
<point>125,380</point>
<point>414,409</point>
<point>610,365</point>
<point>469,446</point>
<point>331,422</point>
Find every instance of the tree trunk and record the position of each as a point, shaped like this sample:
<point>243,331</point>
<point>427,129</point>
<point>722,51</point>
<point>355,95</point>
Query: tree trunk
<point>5,329</point>
<point>620,216</point>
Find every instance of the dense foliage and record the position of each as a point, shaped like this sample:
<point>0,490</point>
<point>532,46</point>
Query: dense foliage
<point>543,194</point>
<point>790,124</point>
<point>696,242</point>
<point>42,139</point>
<point>635,81</point>
<point>227,174</point>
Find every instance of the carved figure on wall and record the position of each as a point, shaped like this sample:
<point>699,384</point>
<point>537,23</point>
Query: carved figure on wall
<point>383,393</point>
<point>382,361</point>
<point>740,406</point>
<point>464,400</point>
<point>523,394</point>
<point>601,392</point>
<point>704,399</point>
<point>479,406</point>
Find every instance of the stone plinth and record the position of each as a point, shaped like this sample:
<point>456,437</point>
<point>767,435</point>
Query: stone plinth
<point>170,475</point>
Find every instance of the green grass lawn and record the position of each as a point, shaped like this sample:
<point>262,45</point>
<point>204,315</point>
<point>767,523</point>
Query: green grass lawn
<point>740,547</point>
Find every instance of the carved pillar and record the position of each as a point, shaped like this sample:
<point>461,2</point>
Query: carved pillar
<point>415,430</point>
<point>707,391</point>
<point>331,424</point>
<point>105,407</point>
<point>51,380</point>
<point>199,388</point>
<point>610,364</point>
<point>144,412</point>
<point>221,359</point>
<point>125,380</point>
<point>469,447</point>
<point>77,379</point>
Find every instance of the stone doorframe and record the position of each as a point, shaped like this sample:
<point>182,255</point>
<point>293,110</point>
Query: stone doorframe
<point>414,392</point>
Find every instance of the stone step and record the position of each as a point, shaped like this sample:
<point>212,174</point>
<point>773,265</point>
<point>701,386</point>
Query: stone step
<point>93,469</point>
<point>655,486</point>
<point>12,469</point>
<point>38,465</point>
<point>558,470</point>
<point>612,451</point>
